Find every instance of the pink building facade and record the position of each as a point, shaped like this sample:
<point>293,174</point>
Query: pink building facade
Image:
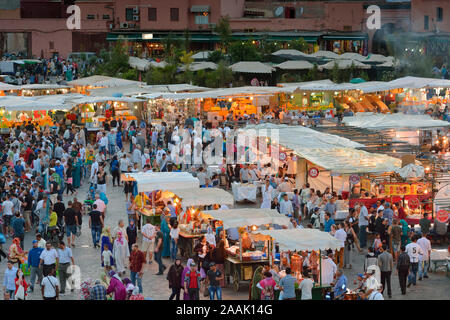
<point>38,27</point>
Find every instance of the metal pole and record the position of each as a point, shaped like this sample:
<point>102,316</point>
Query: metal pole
<point>332,187</point>
<point>320,268</point>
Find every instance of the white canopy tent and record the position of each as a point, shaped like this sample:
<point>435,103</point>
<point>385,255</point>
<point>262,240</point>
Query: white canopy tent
<point>155,64</point>
<point>251,67</point>
<point>325,54</point>
<point>237,218</point>
<point>303,239</point>
<point>197,66</point>
<point>88,81</point>
<point>202,55</point>
<point>328,151</point>
<point>344,64</point>
<point>394,121</point>
<point>117,82</point>
<point>89,99</point>
<point>289,52</point>
<point>139,64</point>
<point>204,197</point>
<point>295,65</point>
<point>42,86</point>
<point>6,86</point>
<point>150,181</point>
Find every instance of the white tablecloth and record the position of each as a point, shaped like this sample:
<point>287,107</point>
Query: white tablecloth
<point>244,191</point>
<point>439,254</point>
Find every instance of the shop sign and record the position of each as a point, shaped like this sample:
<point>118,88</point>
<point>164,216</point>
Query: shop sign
<point>354,179</point>
<point>442,216</point>
<point>283,156</point>
<point>366,185</point>
<point>404,189</point>
<point>313,172</point>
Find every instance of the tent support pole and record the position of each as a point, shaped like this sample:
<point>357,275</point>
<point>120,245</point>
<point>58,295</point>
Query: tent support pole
<point>332,186</point>
<point>320,268</point>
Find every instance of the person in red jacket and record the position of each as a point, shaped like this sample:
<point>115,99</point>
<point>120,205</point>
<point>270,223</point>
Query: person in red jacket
<point>20,281</point>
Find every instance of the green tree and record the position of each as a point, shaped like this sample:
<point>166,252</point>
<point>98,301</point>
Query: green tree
<point>299,44</point>
<point>170,45</point>
<point>334,74</point>
<point>220,77</point>
<point>115,61</point>
<point>216,56</point>
<point>313,74</point>
<point>243,51</point>
<point>166,75</point>
<point>186,60</point>
<point>187,40</point>
<point>223,29</point>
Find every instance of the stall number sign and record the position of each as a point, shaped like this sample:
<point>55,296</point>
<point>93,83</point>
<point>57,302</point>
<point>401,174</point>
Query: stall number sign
<point>354,179</point>
<point>313,172</point>
<point>282,156</point>
<point>413,203</point>
<point>442,216</point>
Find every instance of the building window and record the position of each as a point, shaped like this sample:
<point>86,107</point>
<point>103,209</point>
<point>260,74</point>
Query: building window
<point>289,12</point>
<point>51,45</point>
<point>347,28</point>
<point>90,16</point>
<point>439,14</point>
<point>174,14</point>
<point>106,17</point>
<point>151,14</point>
<point>129,14</point>
<point>426,24</point>
<point>202,19</point>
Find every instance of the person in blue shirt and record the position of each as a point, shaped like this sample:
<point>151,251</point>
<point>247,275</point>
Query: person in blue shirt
<point>340,288</point>
<point>328,222</point>
<point>9,280</point>
<point>33,264</point>
<point>18,168</point>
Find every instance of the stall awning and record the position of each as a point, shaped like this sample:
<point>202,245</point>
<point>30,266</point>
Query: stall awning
<point>345,37</point>
<point>200,9</point>
<point>303,239</point>
<point>204,197</point>
<point>394,121</point>
<point>150,181</point>
<point>237,218</point>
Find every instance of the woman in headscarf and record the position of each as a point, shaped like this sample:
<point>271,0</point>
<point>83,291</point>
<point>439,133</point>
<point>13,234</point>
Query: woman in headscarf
<point>135,295</point>
<point>16,254</point>
<point>77,172</point>
<point>183,274</point>
<point>175,278</point>
<point>116,286</point>
<point>210,237</point>
<point>165,229</point>
<point>121,252</point>
<point>128,286</point>
<point>106,239</point>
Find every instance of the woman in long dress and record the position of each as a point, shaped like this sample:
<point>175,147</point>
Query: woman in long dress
<point>106,239</point>
<point>77,173</point>
<point>267,195</point>
<point>166,237</point>
<point>185,270</point>
<point>121,252</point>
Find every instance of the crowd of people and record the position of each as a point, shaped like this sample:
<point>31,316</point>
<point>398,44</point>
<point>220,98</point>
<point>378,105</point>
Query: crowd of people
<point>40,166</point>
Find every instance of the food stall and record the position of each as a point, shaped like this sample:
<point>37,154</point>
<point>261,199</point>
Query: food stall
<point>293,241</point>
<point>190,202</point>
<point>244,191</point>
<point>149,187</point>
<point>251,251</point>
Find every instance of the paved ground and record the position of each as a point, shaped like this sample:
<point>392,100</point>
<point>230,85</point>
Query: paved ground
<point>156,287</point>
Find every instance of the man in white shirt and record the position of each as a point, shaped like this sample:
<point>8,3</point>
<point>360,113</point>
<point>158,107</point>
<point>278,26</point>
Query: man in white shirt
<point>329,269</point>
<point>94,171</point>
<point>49,259</point>
<point>424,262</point>
<point>8,212</point>
<point>306,287</point>
<point>415,252</point>
<point>286,207</point>
<point>341,235</point>
<point>50,286</point>
<point>148,240</point>
<point>201,176</point>
<point>363,222</point>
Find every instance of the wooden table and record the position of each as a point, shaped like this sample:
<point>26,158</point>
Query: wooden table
<point>241,271</point>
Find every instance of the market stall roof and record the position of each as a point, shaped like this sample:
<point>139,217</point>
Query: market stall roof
<point>155,64</point>
<point>150,181</point>
<point>237,218</point>
<point>205,65</point>
<point>42,86</point>
<point>295,65</point>
<point>303,239</point>
<point>88,81</point>
<point>139,64</point>
<point>95,99</point>
<point>204,197</point>
<point>33,103</point>
<point>6,86</point>
<point>117,82</point>
<point>378,58</point>
<point>325,54</point>
<point>418,83</point>
<point>351,56</point>
<point>344,64</point>
<point>395,121</point>
<point>289,52</point>
<point>127,90</point>
<point>328,151</point>
<point>202,55</point>
<point>251,67</point>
